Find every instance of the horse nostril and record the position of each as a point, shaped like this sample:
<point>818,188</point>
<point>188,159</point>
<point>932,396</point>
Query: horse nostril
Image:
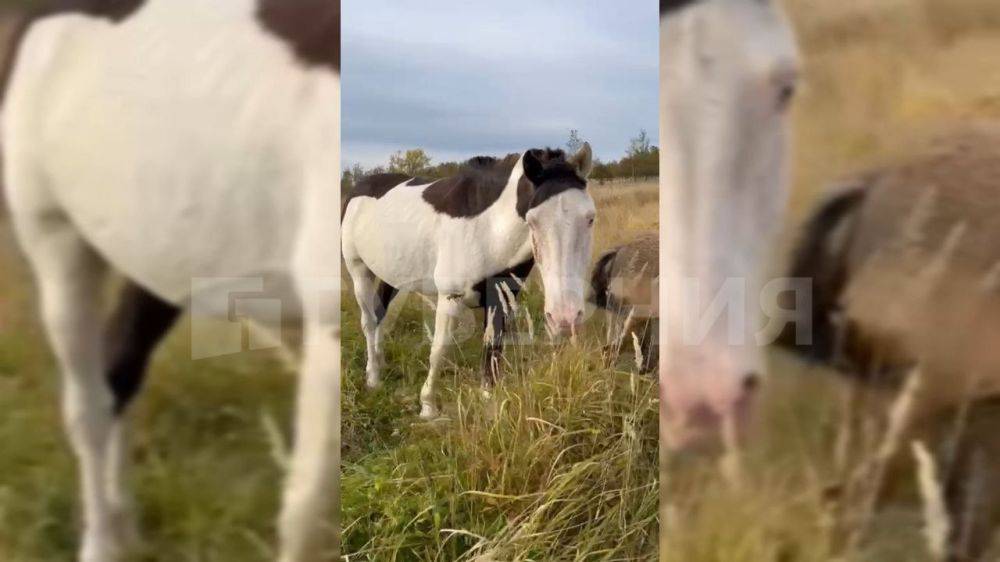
<point>579,316</point>
<point>751,381</point>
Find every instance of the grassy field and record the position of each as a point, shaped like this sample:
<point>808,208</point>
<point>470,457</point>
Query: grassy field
<point>206,481</point>
<point>561,465</point>
<point>879,76</point>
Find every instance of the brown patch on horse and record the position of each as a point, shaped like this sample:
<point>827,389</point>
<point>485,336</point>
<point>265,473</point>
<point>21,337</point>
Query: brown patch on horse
<point>476,186</point>
<point>311,28</point>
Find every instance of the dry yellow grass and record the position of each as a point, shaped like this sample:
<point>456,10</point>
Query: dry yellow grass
<point>624,211</point>
<point>880,75</point>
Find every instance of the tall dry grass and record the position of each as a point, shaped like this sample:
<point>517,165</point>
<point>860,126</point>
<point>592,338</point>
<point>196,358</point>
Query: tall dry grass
<point>880,75</point>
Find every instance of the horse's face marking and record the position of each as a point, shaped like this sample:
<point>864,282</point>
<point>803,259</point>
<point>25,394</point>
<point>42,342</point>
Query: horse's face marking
<point>562,229</point>
<point>728,74</point>
<point>311,28</point>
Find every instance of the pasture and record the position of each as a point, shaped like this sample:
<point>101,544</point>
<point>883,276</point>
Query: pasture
<point>561,465</point>
<point>206,445</point>
<point>879,77</point>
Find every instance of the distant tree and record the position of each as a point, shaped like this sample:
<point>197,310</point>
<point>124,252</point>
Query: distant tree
<point>574,142</point>
<point>602,171</point>
<point>412,162</point>
<point>639,145</point>
<point>442,170</point>
<point>357,171</point>
<point>346,181</point>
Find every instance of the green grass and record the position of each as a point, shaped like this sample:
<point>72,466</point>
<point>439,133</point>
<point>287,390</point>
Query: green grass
<point>206,485</point>
<point>560,465</point>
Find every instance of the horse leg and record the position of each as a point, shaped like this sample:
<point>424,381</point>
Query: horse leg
<point>496,308</point>
<point>384,293</point>
<point>650,346</point>
<point>138,324</point>
<point>972,484</point>
<point>311,482</point>
<point>367,294</point>
<point>494,324</point>
<point>448,309</point>
<point>70,279</point>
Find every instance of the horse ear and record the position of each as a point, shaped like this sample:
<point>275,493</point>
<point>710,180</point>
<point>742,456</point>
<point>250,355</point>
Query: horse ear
<point>583,160</point>
<point>532,167</point>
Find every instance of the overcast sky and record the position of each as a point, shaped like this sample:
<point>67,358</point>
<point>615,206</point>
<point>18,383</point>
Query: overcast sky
<point>460,79</point>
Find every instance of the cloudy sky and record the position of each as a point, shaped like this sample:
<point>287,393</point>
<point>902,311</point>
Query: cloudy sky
<point>461,78</point>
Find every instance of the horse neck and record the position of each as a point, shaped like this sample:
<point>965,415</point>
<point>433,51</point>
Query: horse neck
<point>508,231</point>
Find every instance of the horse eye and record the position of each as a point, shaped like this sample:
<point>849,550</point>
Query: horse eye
<point>785,95</point>
<point>590,221</point>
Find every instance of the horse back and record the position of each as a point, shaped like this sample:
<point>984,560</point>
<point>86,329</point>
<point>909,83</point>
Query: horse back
<point>179,140</point>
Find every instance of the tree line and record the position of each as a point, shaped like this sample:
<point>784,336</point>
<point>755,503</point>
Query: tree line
<point>641,160</point>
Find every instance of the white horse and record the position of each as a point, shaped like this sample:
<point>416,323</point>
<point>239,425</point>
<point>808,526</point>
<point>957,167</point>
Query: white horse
<point>727,74</point>
<point>189,146</point>
<point>467,240</point>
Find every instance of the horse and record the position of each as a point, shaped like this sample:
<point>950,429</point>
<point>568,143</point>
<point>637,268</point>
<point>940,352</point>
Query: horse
<point>625,282</point>
<point>728,74</point>
<point>470,240</point>
<point>905,269</point>
<point>190,148</point>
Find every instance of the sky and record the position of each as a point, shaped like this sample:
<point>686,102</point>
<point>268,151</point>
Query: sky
<point>466,78</point>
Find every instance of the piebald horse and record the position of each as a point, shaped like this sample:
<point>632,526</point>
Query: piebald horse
<point>467,240</point>
<point>728,71</point>
<point>189,146</point>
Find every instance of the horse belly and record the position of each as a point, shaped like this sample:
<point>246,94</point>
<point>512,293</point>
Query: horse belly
<point>395,236</point>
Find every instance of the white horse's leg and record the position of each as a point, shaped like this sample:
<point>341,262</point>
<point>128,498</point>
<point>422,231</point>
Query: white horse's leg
<point>70,277</point>
<point>447,310</point>
<point>312,482</point>
<point>308,490</point>
<point>366,293</point>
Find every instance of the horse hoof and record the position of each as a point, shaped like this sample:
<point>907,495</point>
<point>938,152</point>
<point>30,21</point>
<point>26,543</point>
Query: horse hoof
<point>427,412</point>
<point>99,551</point>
